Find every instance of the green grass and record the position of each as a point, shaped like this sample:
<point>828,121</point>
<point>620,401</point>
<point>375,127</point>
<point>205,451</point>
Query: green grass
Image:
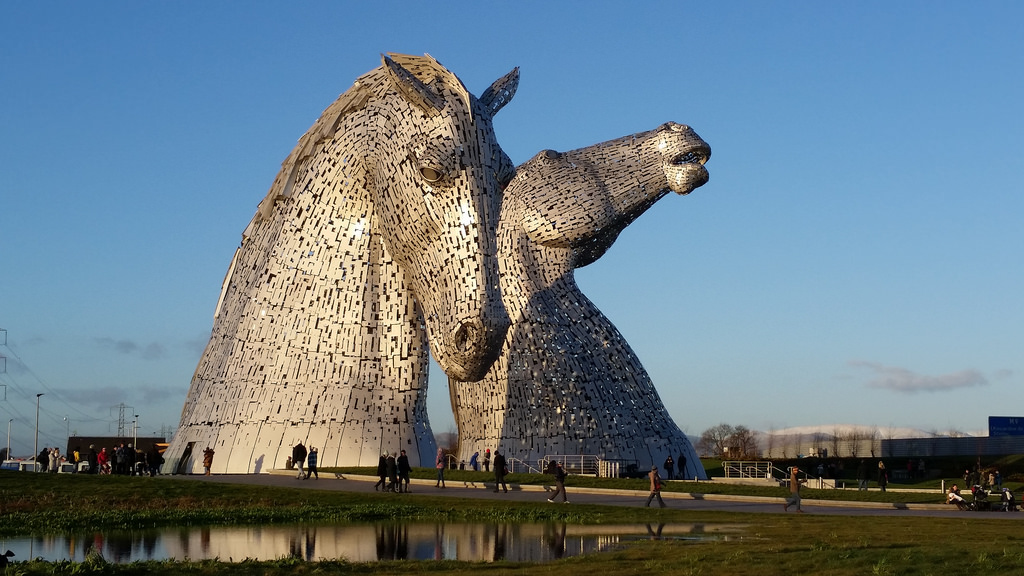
<point>973,544</point>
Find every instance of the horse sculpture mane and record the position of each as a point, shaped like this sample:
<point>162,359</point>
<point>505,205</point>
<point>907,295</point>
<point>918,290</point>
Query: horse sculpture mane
<point>375,242</point>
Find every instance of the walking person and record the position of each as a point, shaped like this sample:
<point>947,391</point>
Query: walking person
<point>883,476</point>
<point>207,460</point>
<point>54,460</point>
<point>556,470</point>
<point>392,470</point>
<point>299,457</point>
<point>403,472</point>
<point>794,490</point>
<point>487,460</point>
<point>862,475</point>
<point>500,471</point>
<point>311,459</point>
<point>681,463</point>
<point>382,473</point>
<point>129,460</point>
<point>670,467</point>
<point>656,483</point>
<point>439,464</point>
<point>155,460</point>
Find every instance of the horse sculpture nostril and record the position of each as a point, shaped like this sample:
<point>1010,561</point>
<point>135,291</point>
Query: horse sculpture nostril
<point>466,336</point>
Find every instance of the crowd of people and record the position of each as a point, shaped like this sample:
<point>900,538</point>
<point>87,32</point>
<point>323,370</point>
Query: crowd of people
<point>122,459</point>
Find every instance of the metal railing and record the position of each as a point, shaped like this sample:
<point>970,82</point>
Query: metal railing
<point>517,465</point>
<point>584,464</point>
<point>763,470</point>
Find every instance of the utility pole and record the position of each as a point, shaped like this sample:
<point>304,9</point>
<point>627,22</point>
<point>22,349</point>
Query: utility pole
<point>120,417</point>
<point>3,359</point>
<point>35,443</point>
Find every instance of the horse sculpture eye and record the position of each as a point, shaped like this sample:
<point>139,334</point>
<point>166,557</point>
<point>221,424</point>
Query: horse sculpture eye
<point>429,174</point>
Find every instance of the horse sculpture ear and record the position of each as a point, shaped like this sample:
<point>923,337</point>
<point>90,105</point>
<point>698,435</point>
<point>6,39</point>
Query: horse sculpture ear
<point>413,88</point>
<point>501,92</point>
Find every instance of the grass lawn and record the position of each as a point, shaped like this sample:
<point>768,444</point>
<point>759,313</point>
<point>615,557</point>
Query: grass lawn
<point>976,543</point>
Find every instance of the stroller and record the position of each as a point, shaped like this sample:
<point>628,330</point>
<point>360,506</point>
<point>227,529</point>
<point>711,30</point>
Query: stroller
<point>980,499</point>
<point>1007,501</point>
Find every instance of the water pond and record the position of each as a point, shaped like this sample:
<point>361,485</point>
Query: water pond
<point>358,543</point>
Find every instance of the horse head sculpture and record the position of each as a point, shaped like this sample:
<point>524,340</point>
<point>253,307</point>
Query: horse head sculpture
<point>436,184</point>
<point>567,382</point>
<point>375,242</point>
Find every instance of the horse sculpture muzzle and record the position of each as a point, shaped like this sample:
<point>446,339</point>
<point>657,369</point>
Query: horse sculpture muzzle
<point>684,154</point>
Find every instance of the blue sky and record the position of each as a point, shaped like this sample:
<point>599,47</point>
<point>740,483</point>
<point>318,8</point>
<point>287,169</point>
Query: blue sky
<point>855,258</point>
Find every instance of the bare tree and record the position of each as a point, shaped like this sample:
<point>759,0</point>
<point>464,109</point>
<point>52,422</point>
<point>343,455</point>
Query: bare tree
<point>744,442</point>
<point>837,435</point>
<point>853,438</point>
<point>818,438</point>
<point>714,440</point>
<point>873,436</point>
<point>769,441</point>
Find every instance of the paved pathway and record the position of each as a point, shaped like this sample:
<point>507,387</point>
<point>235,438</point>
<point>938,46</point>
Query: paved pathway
<point>525,493</point>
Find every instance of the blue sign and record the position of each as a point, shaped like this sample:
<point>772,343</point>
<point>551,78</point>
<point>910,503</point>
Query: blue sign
<point>1006,425</point>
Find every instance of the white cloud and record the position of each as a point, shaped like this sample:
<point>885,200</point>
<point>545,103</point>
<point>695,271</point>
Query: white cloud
<point>902,380</point>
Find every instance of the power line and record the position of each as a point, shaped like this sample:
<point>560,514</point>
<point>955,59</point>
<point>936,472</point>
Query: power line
<point>48,390</point>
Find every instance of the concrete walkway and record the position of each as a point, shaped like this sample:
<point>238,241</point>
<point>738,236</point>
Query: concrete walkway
<point>533,493</point>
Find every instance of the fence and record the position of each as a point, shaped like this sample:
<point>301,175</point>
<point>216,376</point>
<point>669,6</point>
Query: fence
<point>760,470</point>
<point>584,464</point>
<point>516,465</point>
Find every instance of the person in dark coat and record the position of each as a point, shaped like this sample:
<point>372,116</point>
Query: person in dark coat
<point>556,470</point>
<point>403,472</point>
<point>154,460</point>
<point>299,457</point>
<point>311,463</point>
<point>392,470</point>
<point>670,467</point>
<point>382,472</point>
<point>94,460</point>
<point>499,471</point>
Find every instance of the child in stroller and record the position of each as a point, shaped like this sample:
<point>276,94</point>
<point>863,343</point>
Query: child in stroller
<point>954,497</point>
<point>1009,504</point>
<point>980,498</point>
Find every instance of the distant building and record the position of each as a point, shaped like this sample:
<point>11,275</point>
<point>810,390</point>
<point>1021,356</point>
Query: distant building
<point>82,443</point>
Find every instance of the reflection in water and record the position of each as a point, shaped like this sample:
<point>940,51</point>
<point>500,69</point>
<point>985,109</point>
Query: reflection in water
<point>357,543</point>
